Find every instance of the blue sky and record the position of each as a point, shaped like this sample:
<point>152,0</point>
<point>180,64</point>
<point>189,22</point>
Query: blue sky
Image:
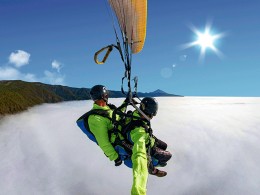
<point>54,41</point>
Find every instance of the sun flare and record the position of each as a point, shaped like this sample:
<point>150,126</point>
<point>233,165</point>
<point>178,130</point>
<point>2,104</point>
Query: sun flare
<point>205,40</point>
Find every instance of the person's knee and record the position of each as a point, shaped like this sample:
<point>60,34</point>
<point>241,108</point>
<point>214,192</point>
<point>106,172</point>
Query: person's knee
<point>161,154</point>
<point>161,144</point>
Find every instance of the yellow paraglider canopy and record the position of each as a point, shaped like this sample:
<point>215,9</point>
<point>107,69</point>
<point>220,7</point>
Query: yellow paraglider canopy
<point>132,17</point>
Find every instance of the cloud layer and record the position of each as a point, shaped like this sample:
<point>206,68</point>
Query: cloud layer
<point>215,142</point>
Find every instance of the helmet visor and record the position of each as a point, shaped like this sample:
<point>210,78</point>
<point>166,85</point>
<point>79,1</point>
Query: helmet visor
<point>153,109</point>
<point>105,94</point>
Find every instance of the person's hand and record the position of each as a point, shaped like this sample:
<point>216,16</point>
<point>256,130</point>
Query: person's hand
<point>118,161</point>
<point>127,100</point>
<point>112,106</point>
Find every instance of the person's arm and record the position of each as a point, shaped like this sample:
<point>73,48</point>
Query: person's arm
<point>99,127</point>
<point>139,160</point>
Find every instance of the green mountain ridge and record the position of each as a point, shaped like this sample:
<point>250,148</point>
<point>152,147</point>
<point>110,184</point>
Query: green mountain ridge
<point>17,95</point>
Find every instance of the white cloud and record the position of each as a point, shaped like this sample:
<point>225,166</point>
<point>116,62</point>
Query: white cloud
<point>30,77</point>
<point>10,73</point>
<point>56,65</point>
<point>7,73</point>
<point>53,78</point>
<point>215,142</point>
<point>19,58</point>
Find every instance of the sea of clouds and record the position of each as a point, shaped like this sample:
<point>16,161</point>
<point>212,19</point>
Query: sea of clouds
<point>215,142</point>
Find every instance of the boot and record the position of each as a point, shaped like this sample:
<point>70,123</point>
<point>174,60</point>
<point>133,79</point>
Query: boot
<point>158,173</point>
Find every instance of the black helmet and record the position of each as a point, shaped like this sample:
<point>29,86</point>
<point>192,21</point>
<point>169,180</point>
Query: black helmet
<point>149,106</point>
<point>99,92</point>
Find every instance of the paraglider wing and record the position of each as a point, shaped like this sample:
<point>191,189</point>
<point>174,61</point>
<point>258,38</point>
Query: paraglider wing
<point>132,17</point>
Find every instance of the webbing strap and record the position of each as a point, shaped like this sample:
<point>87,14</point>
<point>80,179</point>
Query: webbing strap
<point>100,112</point>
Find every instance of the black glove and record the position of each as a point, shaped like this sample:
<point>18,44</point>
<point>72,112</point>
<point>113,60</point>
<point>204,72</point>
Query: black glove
<point>128,101</point>
<point>112,106</point>
<point>118,161</point>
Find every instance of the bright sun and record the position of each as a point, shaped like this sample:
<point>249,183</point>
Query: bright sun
<point>205,40</point>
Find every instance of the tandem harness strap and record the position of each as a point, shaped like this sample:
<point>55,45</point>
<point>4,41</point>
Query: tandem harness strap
<point>127,122</point>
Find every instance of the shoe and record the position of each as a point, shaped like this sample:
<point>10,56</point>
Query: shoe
<point>159,173</point>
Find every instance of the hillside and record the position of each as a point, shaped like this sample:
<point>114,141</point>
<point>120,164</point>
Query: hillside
<point>16,96</point>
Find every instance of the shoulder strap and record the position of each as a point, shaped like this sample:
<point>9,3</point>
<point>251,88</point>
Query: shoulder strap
<point>83,122</point>
<point>135,123</point>
<point>100,112</point>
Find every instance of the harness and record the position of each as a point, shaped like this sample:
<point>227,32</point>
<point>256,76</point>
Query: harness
<point>132,125</point>
<point>126,145</point>
<point>122,146</point>
<point>127,123</point>
<point>82,122</point>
